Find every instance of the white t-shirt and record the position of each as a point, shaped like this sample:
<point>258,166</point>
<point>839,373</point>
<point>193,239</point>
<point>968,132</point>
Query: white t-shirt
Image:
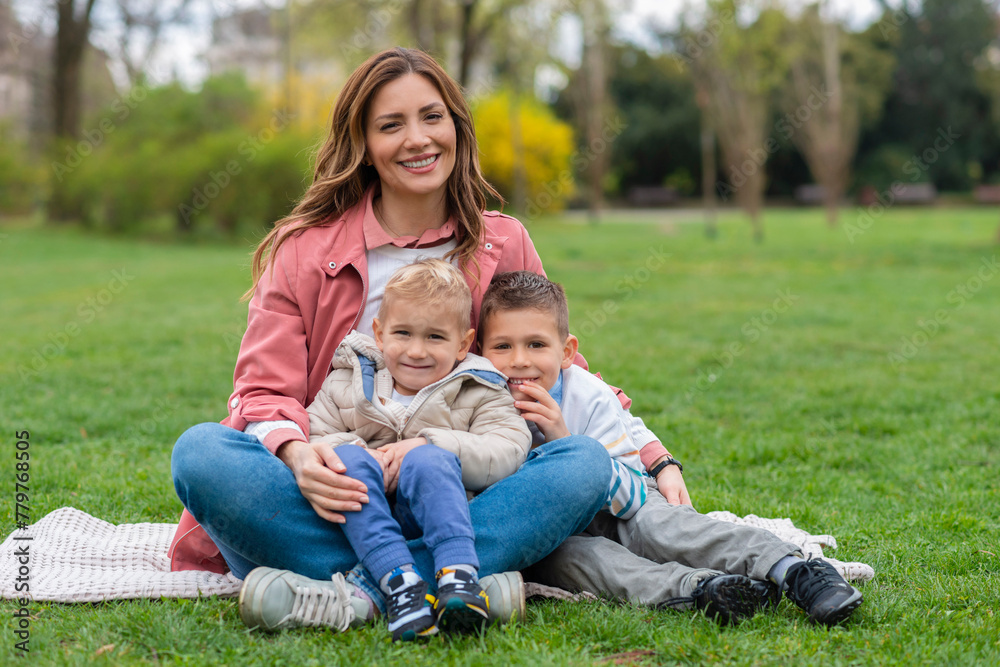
<point>382,263</point>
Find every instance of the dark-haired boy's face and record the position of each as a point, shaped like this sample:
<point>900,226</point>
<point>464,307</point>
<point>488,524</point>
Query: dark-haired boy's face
<point>525,345</point>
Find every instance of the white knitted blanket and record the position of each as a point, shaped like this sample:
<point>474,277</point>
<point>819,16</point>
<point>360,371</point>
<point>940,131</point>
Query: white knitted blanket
<point>70,556</point>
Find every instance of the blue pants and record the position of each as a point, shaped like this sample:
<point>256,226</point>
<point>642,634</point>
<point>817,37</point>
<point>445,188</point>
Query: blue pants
<point>430,500</point>
<point>250,505</point>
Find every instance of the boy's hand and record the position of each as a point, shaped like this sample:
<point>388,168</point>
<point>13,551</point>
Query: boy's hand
<point>384,460</point>
<point>546,413</point>
<point>395,452</point>
<point>670,482</point>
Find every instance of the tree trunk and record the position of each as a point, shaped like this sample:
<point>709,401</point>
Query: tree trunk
<point>71,39</point>
<point>708,176</point>
<point>468,41</point>
<point>594,33</point>
<point>418,26</point>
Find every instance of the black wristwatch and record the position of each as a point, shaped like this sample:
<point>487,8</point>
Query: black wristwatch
<point>658,468</point>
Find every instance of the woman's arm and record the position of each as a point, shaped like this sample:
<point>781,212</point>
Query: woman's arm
<point>271,370</point>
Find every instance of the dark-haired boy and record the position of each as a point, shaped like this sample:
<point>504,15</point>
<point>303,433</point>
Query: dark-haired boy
<point>683,557</point>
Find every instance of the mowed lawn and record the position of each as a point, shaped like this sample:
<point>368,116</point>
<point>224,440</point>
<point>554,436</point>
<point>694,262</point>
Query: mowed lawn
<point>848,384</point>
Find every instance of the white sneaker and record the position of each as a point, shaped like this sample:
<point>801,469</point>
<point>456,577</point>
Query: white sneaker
<point>505,591</point>
<point>274,600</point>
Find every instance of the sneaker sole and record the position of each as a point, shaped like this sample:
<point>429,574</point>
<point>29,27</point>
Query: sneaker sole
<point>250,597</point>
<point>457,617</point>
<point>840,614</point>
<point>506,595</point>
<point>413,635</point>
<point>736,603</point>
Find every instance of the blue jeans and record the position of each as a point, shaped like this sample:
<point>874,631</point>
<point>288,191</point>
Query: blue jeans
<point>430,501</point>
<point>249,504</point>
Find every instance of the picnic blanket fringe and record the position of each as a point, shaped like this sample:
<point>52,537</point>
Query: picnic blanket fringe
<point>71,556</point>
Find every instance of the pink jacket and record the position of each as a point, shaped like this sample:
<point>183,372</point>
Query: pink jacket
<point>300,313</point>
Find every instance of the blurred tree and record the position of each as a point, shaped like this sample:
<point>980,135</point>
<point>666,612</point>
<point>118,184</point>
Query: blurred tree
<point>545,150</point>
<point>477,20</point>
<point>73,28</point>
<point>456,32</point>
<point>741,65</point>
<point>659,137</point>
<point>143,23</point>
<point>709,168</point>
<point>837,82</point>
<point>518,55</point>
<point>71,39</point>
<point>215,161</point>
<point>596,21</point>
<point>21,177</point>
<point>936,108</point>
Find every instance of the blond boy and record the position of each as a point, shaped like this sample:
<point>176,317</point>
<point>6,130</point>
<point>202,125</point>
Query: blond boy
<point>414,414</point>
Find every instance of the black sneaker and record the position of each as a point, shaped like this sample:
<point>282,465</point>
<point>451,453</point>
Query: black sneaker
<point>462,605</point>
<point>726,598</point>
<point>409,608</point>
<point>768,594</point>
<point>817,588</point>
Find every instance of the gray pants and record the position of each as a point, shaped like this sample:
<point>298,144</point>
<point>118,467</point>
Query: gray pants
<point>660,553</point>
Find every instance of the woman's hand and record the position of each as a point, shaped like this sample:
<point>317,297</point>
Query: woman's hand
<point>546,413</point>
<point>670,482</point>
<point>396,451</point>
<point>322,480</point>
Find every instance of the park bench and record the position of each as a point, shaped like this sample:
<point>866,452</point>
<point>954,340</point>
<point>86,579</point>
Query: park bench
<point>810,195</point>
<point>642,196</point>
<point>987,194</point>
<point>899,193</point>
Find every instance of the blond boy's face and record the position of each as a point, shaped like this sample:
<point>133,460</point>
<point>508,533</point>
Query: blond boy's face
<point>525,345</point>
<point>421,344</point>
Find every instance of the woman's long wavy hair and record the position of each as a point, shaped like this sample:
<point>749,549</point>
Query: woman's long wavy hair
<point>340,178</point>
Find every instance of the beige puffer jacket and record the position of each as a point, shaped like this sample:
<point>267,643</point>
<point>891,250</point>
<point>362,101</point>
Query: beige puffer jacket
<point>469,412</point>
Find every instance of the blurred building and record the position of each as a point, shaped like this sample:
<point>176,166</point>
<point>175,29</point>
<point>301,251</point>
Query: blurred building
<point>254,43</point>
<point>26,62</point>
<point>247,41</point>
<point>24,67</point>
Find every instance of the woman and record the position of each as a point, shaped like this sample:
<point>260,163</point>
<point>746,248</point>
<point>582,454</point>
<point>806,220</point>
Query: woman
<point>398,177</point>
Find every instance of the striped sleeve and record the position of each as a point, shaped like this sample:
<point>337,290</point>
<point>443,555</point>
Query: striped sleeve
<point>605,423</point>
<point>627,492</point>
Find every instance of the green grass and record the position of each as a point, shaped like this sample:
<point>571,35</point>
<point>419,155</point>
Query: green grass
<point>813,419</point>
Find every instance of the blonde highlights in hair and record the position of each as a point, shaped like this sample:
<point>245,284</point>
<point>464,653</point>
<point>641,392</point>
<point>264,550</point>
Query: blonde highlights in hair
<point>340,177</point>
<point>433,283</point>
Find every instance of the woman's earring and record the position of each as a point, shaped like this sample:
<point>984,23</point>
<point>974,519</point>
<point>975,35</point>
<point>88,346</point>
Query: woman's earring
<point>366,161</point>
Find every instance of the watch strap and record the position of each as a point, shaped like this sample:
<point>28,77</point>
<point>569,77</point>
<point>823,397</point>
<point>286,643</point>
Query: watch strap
<point>669,461</point>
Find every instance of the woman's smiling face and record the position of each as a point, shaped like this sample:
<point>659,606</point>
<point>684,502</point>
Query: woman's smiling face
<point>410,137</point>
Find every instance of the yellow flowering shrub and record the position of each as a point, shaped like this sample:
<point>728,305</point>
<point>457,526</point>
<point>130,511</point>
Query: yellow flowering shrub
<point>546,153</point>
